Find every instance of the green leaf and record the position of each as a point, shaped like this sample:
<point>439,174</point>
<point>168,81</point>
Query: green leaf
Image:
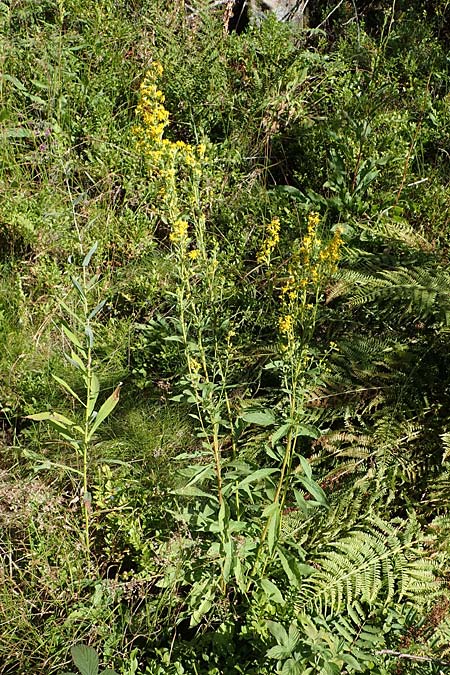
<point>94,392</point>
<point>58,419</point>
<point>96,309</point>
<point>262,418</point>
<point>192,491</point>
<point>314,490</point>
<point>274,528</point>
<point>88,256</point>
<point>71,336</point>
<point>278,631</point>
<point>108,671</point>
<point>272,591</point>
<point>255,476</point>
<point>278,652</point>
<point>78,287</point>
<point>280,432</point>
<point>75,360</point>
<point>306,467</point>
<point>306,430</point>
<point>65,386</point>
<point>106,409</point>
<point>85,658</point>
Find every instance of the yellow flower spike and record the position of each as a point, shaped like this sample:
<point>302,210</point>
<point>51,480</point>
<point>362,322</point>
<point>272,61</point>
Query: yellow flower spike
<point>271,240</point>
<point>194,254</point>
<point>179,231</point>
<point>286,324</point>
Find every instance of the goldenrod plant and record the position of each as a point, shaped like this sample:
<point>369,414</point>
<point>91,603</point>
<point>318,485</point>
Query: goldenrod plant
<point>271,212</point>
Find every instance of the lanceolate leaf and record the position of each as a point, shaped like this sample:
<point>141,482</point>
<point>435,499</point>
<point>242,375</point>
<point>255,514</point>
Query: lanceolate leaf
<point>106,409</point>
<point>88,256</point>
<point>64,384</point>
<point>70,335</point>
<point>94,392</point>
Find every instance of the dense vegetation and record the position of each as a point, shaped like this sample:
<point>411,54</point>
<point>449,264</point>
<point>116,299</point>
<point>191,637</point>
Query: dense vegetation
<point>224,326</point>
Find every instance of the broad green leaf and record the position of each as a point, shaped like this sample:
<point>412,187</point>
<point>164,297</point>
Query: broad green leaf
<point>348,658</point>
<point>61,420</point>
<point>306,430</point>
<point>272,591</point>
<point>108,671</point>
<point>278,652</point>
<point>85,658</point>
<point>262,418</point>
<point>106,409</point>
<point>88,256</point>
<point>294,637</point>
<point>65,386</point>
<point>295,571</point>
<point>278,631</point>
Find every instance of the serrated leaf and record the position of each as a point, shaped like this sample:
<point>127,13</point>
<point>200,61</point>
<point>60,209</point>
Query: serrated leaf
<point>85,658</point>
<point>278,652</point>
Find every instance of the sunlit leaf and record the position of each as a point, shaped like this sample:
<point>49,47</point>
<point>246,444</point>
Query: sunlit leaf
<point>85,658</point>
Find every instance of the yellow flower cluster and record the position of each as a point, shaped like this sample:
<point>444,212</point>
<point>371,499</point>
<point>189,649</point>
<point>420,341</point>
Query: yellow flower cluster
<point>271,240</point>
<point>286,324</point>
<point>315,260</point>
<point>310,264</point>
<point>164,157</point>
<point>179,231</point>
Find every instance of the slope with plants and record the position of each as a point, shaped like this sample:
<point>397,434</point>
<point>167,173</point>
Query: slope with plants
<point>224,329</point>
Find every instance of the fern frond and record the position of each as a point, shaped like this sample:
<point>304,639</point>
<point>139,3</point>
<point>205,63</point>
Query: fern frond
<point>422,292</point>
<point>374,564</point>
